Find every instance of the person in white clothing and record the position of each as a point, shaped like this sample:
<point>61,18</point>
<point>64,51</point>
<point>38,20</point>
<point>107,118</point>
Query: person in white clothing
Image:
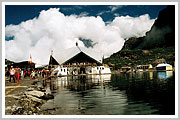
<point>12,73</point>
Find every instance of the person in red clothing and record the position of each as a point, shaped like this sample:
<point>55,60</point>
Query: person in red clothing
<point>17,74</point>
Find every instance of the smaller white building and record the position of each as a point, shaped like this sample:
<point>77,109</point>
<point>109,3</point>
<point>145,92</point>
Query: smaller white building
<point>98,70</point>
<point>164,66</point>
<point>60,71</point>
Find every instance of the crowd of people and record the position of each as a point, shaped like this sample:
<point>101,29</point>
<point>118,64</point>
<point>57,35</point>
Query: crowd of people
<point>17,74</point>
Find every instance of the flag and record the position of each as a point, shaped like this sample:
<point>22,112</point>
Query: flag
<point>30,57</point>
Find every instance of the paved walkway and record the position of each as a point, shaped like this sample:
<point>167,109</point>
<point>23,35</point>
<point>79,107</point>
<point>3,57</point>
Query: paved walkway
<point>13,88</point>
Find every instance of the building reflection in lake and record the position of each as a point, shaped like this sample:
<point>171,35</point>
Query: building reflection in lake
<point>165,74</point>
<point>81,83</point>
<point>150,75</point>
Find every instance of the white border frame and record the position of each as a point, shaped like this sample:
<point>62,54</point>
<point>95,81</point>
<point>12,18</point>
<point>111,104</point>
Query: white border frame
<point>89,3</point>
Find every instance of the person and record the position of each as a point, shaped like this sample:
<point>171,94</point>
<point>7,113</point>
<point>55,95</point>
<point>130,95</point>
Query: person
<point>22,74</point>
<point>33,75</point>
<point>7,73</point>
<point>43,73</point>
<point>38,73</point>
<point>17,73</point>
<point>49,75</point>
<point>12,73</point>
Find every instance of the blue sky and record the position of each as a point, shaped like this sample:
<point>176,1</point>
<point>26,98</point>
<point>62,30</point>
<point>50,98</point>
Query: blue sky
<point>15,14</point>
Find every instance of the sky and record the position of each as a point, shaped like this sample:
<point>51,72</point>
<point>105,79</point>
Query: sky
<point>37,29</point>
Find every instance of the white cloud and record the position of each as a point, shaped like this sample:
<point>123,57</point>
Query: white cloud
<point>100,13</point>
<point>132,26</point>
<point>115,7</point>
<point>116,14</point>
<point>52,30</point>
<point>83,14</point>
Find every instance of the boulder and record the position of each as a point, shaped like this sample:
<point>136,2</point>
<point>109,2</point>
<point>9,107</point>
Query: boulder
<point>30,89</point>
<point>35,99</point>
<point>35,93</point>
<point>47,96</point>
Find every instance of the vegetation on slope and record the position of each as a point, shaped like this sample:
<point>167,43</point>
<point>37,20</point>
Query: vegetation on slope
<point>141,57</point>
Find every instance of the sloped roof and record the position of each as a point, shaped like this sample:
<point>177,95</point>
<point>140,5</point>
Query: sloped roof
<point>52,61</point>
<point>63,56</point>
<point>40,66</point>
<point>163,65</point>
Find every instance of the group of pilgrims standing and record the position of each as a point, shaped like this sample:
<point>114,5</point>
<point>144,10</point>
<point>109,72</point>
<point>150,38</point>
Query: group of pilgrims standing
<point>16,74</point>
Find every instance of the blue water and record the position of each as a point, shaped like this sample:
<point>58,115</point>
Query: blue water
<point>140,93</point>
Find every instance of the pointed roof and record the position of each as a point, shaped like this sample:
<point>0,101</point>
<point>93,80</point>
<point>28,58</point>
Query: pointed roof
<point>52,61</point>
<point>68,55</point>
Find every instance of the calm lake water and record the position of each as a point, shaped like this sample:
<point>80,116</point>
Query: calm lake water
<point>140,93</point>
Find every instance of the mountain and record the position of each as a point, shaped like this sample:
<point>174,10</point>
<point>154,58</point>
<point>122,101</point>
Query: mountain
<point>157,46</point>
<point>162,33</point>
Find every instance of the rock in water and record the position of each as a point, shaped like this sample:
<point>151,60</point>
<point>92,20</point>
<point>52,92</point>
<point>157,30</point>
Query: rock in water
<point>47,96</point>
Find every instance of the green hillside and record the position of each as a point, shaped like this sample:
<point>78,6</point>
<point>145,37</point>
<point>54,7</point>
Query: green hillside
<point>141,57</point>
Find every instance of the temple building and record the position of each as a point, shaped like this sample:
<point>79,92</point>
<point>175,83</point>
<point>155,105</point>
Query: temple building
<point>78,60</point>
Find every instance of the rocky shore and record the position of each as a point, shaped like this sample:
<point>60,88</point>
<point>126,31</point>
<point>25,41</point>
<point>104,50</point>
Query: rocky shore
<point>25,97</point>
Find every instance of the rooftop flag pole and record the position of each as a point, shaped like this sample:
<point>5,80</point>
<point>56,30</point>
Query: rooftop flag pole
<point>103,59</point>
<point>77,45</point>
<point>51,57</point>
<point>51,52</point>
<point>30,58</point>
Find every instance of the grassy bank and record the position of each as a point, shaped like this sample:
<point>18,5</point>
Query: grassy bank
<point>141,57</point>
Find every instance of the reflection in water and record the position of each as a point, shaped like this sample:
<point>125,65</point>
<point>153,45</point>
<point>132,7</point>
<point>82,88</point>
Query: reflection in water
<point>79,83</point>
<point>121,94</point>
<point>47,88</point>
<point>150,75</point>
<point>165,75</point>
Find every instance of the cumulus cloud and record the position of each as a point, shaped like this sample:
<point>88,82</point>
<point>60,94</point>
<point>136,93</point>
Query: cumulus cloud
<point>52,30</point>
<point>132,26</point>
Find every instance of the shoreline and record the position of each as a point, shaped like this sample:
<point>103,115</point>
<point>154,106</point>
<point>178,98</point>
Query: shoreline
<point>153,70</point>
<point>20,99</point>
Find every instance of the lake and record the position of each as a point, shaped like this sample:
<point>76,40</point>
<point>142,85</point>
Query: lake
<point>140,93</point>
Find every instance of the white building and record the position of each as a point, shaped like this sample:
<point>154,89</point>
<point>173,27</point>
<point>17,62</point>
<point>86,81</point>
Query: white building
<point>78,60</point>
<point>164,66</point>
